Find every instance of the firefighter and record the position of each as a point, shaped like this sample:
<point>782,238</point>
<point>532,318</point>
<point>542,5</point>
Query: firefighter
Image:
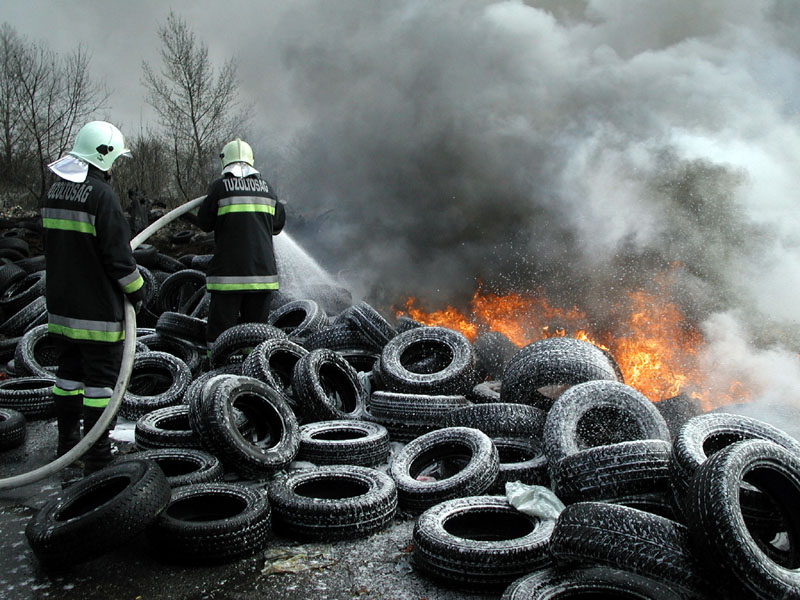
<point>244,213</point>
<point>89,266</point>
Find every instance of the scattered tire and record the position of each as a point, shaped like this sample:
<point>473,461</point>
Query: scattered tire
<point>717,525</point>
<point>181,466</point>
<point>177,289</point>
<point>408,416</point>
<point>27,317</point>
<point>298,319</point>
<point>13,429</point>
<point>677,410</point>
<point>590,582</point>
<point>182,349</point>
<point>158,379</point>
<point>521,459</point>
<point>330,503</point>
<point>192,394</point>
<point>625,538</point>
<point>369,322</point>
<point>32,396</point>
<point>449,362</point>
<point>275,437</point>
<point>98,513</point>
<point>703,435</point>
<point>273,362</point>
<point>444,464</point>
<point>613,471</point>
<point>343,336</point>
<point>500,419</point>
<point>344,443</point>
<point>326,387</point>
<point>234,344</point>
<point>183,327</point>
<point>23,292</point>
<point>599,413</point>
<point>10,274</point>
<point>479,542</point>
<point>538,373</point>
<point>36,354</point>
<point>212,523</point>
<point>486,392</point>
<point>166,427</point>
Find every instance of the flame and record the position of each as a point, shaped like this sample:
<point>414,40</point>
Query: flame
<point>656,348</point>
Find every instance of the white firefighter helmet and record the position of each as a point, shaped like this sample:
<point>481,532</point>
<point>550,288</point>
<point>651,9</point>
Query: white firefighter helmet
<point>99,143</point>
<point>236,151</point>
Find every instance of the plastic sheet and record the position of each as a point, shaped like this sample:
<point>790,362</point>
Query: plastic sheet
<point>535,500</point>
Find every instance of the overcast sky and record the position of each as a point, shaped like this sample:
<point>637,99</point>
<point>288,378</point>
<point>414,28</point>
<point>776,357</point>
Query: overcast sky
<point>580,147</point>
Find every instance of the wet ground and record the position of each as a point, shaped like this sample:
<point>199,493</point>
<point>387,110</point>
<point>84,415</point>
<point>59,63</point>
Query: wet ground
<point>377,567</point>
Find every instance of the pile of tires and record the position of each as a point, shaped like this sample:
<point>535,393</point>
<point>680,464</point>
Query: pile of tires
<point>326,425</point>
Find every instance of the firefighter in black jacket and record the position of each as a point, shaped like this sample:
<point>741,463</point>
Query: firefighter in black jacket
<point>244,213</point>
<point>90,266</point>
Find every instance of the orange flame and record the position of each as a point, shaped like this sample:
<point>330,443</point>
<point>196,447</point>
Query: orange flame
<point>654,346</point>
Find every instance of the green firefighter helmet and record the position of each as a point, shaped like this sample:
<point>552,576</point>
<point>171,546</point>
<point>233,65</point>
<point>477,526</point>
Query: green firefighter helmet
<point>99,143</point>
<point>236,151</point>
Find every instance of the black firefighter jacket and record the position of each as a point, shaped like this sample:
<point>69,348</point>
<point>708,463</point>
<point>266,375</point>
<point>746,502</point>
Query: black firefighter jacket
<point>89,260</point>
<point>244,214</point>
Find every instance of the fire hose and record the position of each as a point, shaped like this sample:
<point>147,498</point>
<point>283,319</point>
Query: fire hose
<point>128,351</point>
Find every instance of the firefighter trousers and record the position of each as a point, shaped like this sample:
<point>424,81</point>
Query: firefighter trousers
<point>231,308</point>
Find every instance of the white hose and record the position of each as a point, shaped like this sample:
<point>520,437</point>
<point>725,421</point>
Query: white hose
<point>128,351</point>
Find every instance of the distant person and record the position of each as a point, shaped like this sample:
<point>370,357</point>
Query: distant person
<point>90,266</point>
<point>244,213</point>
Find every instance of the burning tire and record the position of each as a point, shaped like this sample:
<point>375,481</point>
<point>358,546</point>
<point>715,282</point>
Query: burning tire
<point>408,416</point>
<point>538,373</point>
<point>492,351</point>
<point>212,523</point>
<point>599,413</point>
<point>32,396</point>
<point>329,503</point>
<point>442,465</point>
<point>613,471</point>
<point>158,379</point>
<point>521,459</point>
<point>166,427</point>
<point>717,525</point>
<point>181,466</point>
<point>298,318</point>
<point>273,362</point>
<point>327,387</point>
<point>625,538</point>
<point>428,360</point>
<point>344,443</point>
<point>479,542</point>
<point>274,440</point>
<point>234,344</point>
<point>500,419</point>
<point>591,582</point>
<point>13,429</point>
<point>98,513</point>
<point>702,436</point>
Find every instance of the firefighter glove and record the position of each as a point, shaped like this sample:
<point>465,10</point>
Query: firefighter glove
<point>137,299</point>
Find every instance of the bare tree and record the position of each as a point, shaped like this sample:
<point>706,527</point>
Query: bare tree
<point>10,126</point>
<point>197,106</point>
<point>52,97</point>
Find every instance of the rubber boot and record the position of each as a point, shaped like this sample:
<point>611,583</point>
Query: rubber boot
<point>99,455</point>
<point>68,415</point>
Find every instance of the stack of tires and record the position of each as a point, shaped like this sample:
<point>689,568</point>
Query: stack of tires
<point>325,425</point>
